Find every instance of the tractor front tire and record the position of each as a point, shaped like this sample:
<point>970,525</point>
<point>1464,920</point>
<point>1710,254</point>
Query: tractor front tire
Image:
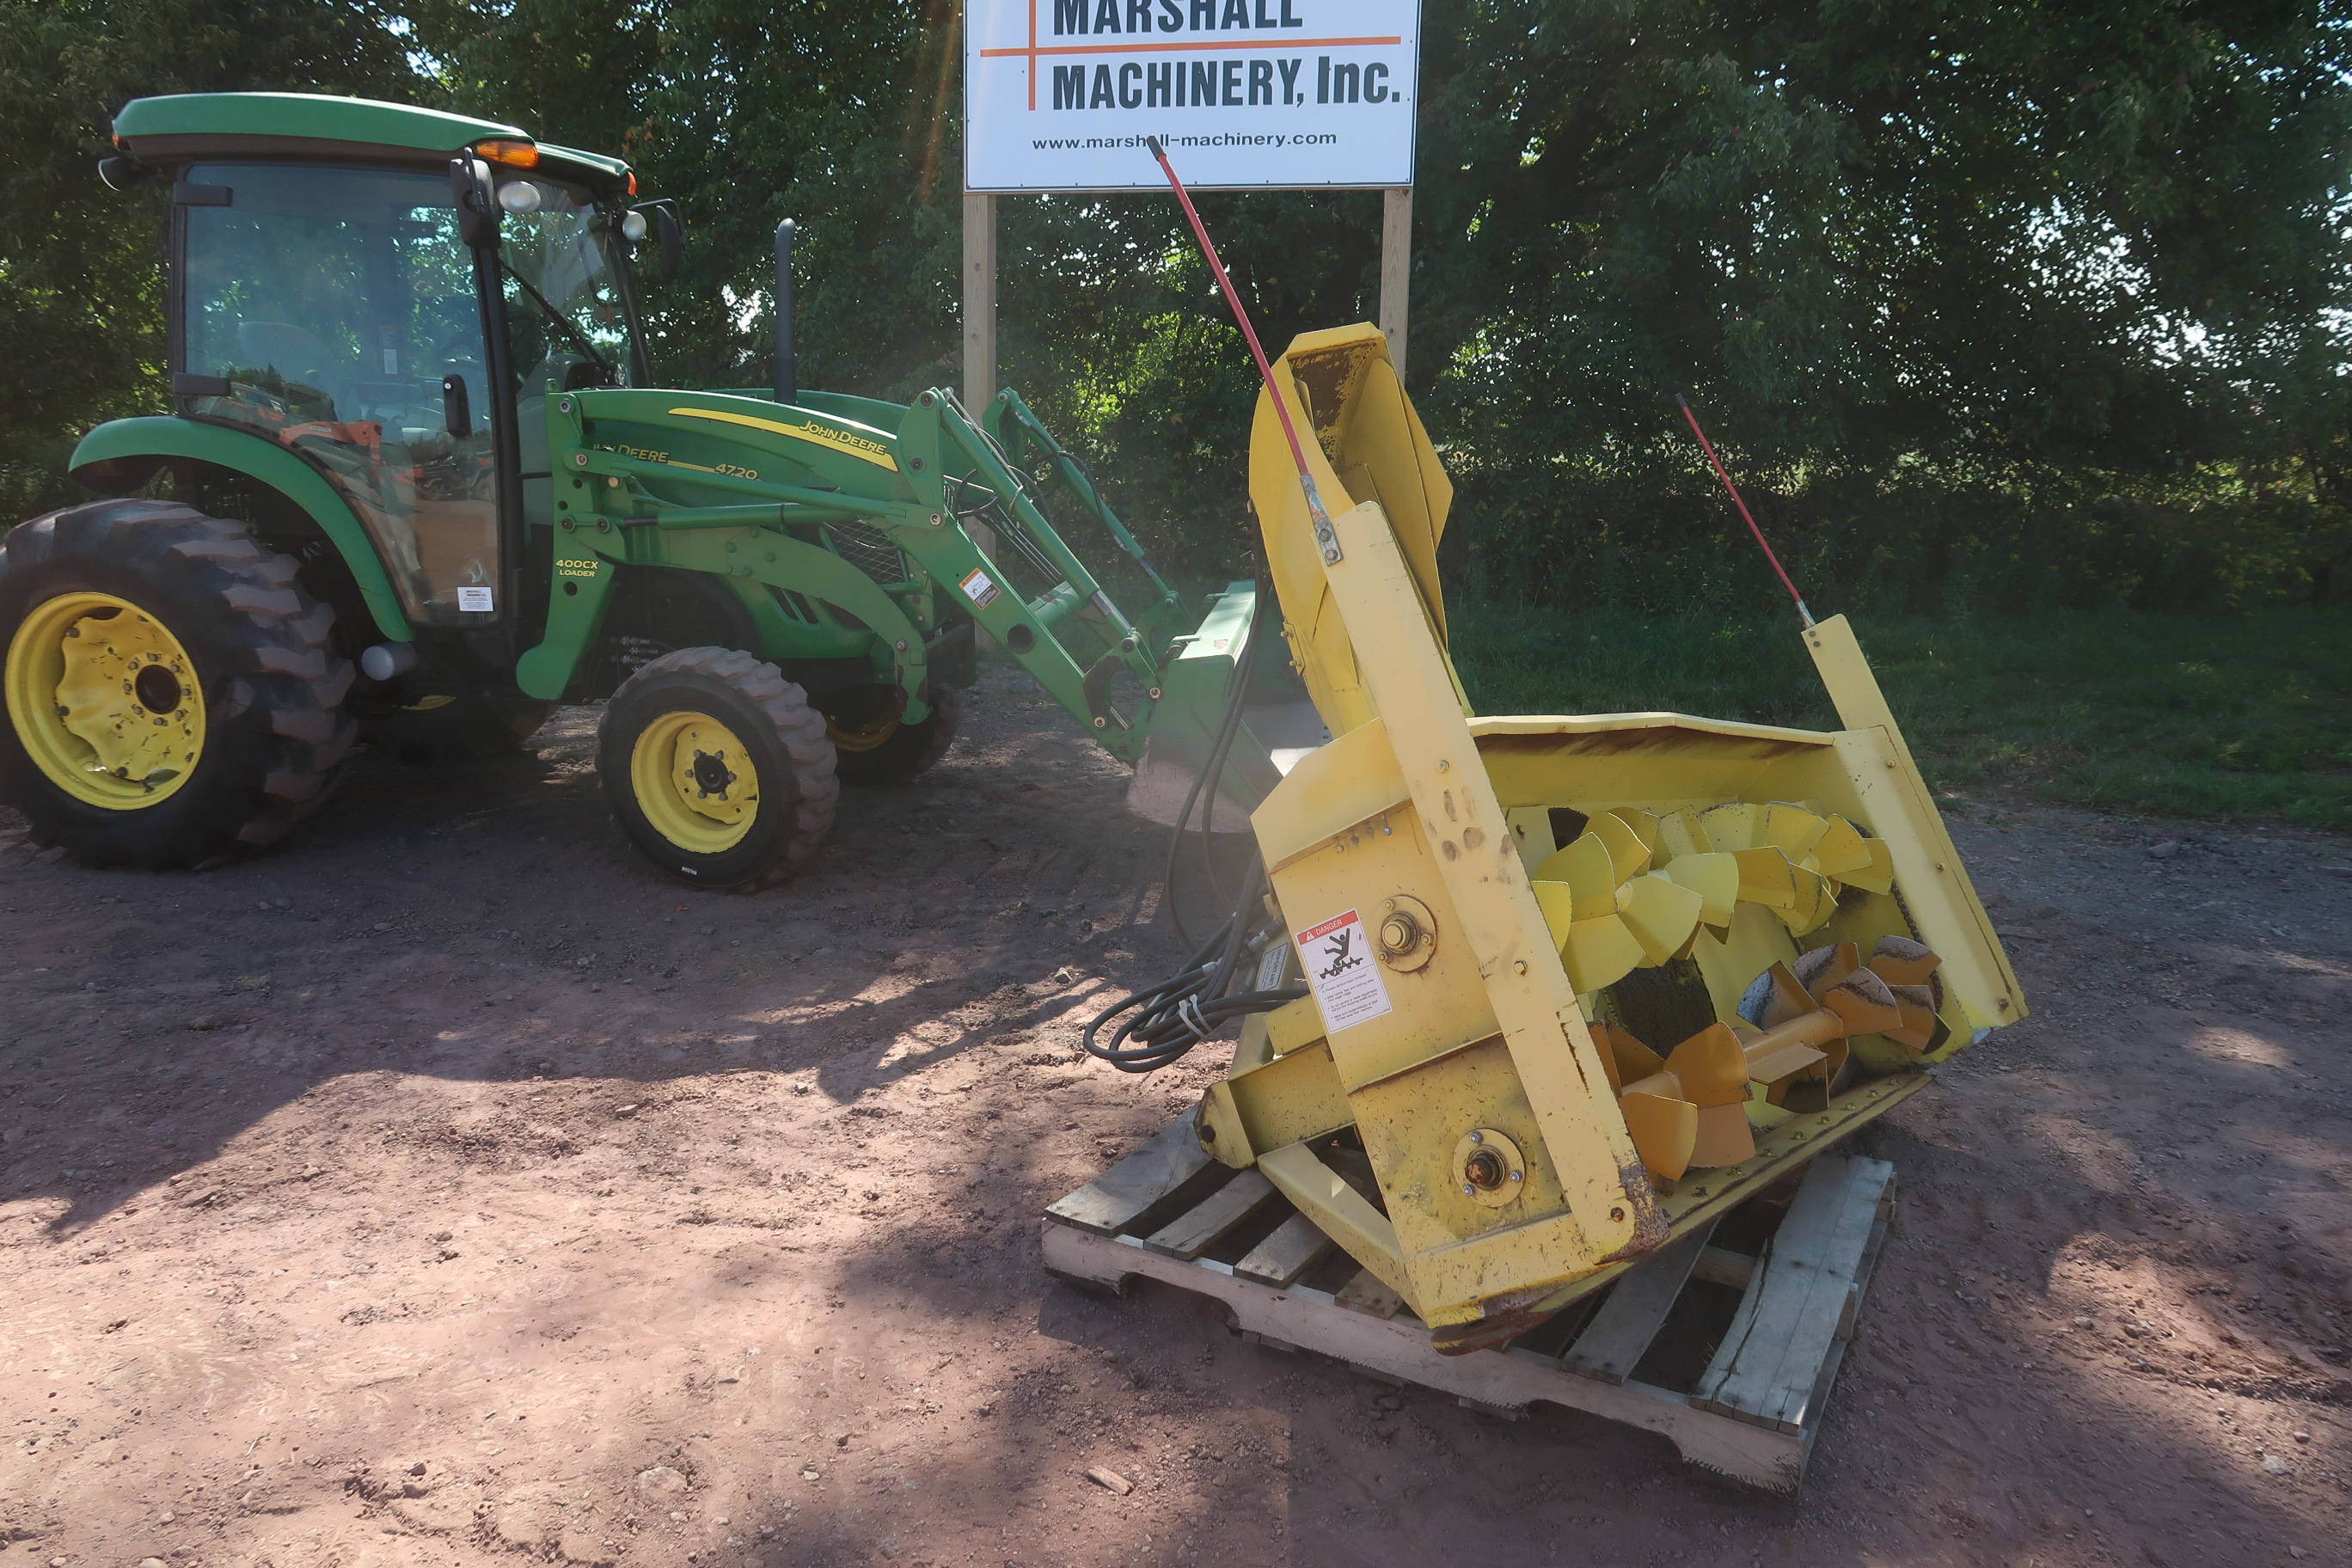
<point>890,752</point>
<point>455,730</point>
<point>718,769</point>
<point>172,698</point>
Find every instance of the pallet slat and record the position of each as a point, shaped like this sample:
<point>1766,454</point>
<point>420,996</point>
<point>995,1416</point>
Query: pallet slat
<point>1295,1246</point>
<point>1612,1344</point>
<point>1170,1165</point>
<point>1196,1230</point>
<point>1772,1359</point>
<point>1370,1294</point>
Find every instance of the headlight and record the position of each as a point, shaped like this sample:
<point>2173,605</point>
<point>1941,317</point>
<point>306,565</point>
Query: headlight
<point>633,224</point>
<point>519,197</point>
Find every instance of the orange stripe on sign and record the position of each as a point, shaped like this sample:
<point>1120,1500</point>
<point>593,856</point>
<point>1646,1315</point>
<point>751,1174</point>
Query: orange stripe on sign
<point>1223,47</point>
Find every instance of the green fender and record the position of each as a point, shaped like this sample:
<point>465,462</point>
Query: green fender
<point>584,576</point>
<point>113,451</point>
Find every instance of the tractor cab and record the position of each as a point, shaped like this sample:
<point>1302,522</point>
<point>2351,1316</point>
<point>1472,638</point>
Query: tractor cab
<point>327,297</point>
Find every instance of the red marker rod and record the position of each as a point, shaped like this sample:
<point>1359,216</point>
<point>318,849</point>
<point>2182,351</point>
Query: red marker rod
<point>1324,534</point>
<point>1806,615</point>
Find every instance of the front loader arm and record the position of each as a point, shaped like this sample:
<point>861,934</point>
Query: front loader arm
<point>719,482</point>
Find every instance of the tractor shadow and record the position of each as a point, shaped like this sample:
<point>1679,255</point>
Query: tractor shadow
<point>483,922</point>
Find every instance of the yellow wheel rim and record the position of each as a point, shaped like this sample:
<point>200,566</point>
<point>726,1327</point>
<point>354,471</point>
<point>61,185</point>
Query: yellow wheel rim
<point>864,737</point>
<point>106,701</point>
<point>693,778</point>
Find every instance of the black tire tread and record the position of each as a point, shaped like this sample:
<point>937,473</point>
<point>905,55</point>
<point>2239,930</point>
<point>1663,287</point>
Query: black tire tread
<point>800,728</point>
<point>284,663</point>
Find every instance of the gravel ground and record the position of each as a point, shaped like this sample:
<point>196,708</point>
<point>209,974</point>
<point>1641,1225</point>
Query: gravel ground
<point>442,1188</point>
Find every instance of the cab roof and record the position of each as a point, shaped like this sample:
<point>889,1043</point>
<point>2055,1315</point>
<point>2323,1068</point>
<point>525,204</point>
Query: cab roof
<point>187,126</point>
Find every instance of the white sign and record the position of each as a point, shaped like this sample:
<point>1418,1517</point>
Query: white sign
<point>1248,94</point>
<point>1341,972</point>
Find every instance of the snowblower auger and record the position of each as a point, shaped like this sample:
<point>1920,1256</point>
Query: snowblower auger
<point>1492,914</point>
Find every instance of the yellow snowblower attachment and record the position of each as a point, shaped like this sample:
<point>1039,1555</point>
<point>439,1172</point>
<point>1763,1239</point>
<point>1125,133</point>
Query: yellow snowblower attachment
<point>1578,985</point>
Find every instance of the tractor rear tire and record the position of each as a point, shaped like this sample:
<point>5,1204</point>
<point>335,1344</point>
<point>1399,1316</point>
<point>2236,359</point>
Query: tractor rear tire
<point>718,769</point>
<point>907,751</point>
<point>173,697</point>
<point>461,730</point>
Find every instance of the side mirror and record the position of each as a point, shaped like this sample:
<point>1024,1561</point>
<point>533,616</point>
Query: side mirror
<point>477,204</point>
<point>120,172</point>
<point>456,408</point>
<point>669,232</point>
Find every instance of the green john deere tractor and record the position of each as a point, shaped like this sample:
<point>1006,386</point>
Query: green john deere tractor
<point>417,486</point>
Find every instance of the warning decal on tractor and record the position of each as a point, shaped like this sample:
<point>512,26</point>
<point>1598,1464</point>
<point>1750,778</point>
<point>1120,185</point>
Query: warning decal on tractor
<point>978,590</point>
<point>1341,972</point>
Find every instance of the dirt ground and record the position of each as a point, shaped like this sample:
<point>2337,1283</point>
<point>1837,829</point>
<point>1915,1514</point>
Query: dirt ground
<point>443,1189</point>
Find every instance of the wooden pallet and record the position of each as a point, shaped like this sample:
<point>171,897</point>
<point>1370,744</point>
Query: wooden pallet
<point>1728,1350</point>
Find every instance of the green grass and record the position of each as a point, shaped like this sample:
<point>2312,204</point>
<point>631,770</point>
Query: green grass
<point>2213,718</point>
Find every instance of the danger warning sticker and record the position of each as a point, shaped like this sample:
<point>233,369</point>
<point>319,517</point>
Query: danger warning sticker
<point>979,589</point>
<point>1341,972</point>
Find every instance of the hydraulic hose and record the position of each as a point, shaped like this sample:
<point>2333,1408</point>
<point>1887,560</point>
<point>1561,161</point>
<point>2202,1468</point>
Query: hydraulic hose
<point>1182,1011</point>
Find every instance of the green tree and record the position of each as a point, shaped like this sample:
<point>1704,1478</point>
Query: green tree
<point>80,289</point>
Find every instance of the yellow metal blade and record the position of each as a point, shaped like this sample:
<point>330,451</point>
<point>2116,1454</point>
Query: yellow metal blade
<point>1791,829</point>
<point>1635,1061</point>
<point>1765,877</point>
<point>1711,1067</point>
<point>1662,1083</point>
<point>1825,966</point>
<point>1899,961</point>
<point>1735,825</point>
<point>1917,1005</point>
<point>1722,1136</point>
<point>1813,904</point>
<point>1840,849</point>
<point>1627,853</point>
<point>1591,873</point>
<point>1715,877</point>
<point>1662,914</point>
<point>1680,834</point>
<point>1863,1004</point>
<point>1664,1130</point>
<point>1645,825</point>
<point>1600,953</point>
<point>1789,998</point>
<point>1879,875</point>
<point>1605,1036</point>
<point>1558,901</point>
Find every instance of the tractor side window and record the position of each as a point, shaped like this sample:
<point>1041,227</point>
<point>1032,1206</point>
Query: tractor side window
<point>566,323</point>
<point>340,305</point>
